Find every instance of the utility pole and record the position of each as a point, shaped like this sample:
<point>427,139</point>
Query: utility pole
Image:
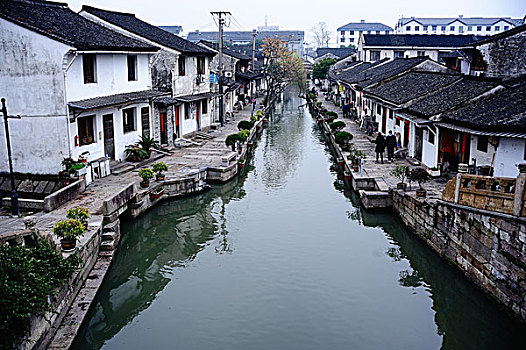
<point>221,22</point>
<point>254,33</point>
<point>14,196</point>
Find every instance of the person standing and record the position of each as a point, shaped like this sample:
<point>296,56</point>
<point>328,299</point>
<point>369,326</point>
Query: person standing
<point>380,147</point>
<point>390,143</point>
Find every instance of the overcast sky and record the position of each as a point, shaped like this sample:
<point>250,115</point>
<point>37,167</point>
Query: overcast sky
<point>302,15</point>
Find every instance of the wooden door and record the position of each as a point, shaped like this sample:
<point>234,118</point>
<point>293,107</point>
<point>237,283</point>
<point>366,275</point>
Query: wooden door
<point>163,126</point>
<point>145,121</point>
<point>109,144</point>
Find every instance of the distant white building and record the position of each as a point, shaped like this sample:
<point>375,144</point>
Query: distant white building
<point>350,33</point>
<point>458,26</point>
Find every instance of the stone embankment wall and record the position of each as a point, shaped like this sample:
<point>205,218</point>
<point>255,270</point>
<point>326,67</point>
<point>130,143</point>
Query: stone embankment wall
<point>488,247</point>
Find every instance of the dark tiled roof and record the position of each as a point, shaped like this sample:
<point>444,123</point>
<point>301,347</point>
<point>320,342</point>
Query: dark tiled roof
<point>502,111</point>
<point>380,72</point>
<point>115,100</point>
<point>195,97</point>
<point>285,35</point>
<point>364,26</point>
<point>411,85</point>
<point>352,74</point>
<point>58,22</point>
<point>451,96</point>
<point>416,40</point>
<point>247,76</point>
<point>226,50</point>
<point>341,52</point>
<point>134,25</point>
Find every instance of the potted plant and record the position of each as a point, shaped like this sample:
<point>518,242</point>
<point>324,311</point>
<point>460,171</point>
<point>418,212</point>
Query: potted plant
<point>342,137</point>
<point>434,171</point>
<point>241,162</point>
<point>68,230</point>
<point>135,153</point>
<point>245,125</point>
<point>337,126</point>
<point>79,213</point>
<point>147,143</point>
<point>357,159</point>
<point>421,176</point>
<point>159,168</point>
<point>145,174</point>
<point>401,172</point>
<point>347,174</point>
<point>157,193</point>
<point>231,141</point>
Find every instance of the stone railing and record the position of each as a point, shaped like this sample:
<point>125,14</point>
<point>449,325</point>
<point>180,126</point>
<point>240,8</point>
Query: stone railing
<point>499,194</point>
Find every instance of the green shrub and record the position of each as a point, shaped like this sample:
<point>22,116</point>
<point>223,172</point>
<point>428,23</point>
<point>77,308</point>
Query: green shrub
<point>331,114</point>
<point>28,275</point>
<point>147,143</point>
<point>146,174</point>
<point>337,126</point>
<point>245,125</point>
<point>68,229</point>
<point>79,213</point>
<point>342,137</point>
<point>159,167</point>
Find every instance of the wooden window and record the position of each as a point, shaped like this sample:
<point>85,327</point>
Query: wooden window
<point>200,65</point>
<point>390,114</point>
<point>488,28</point>
<point>470,28</point>
<point>85,130</point>
<point>375,55</point>
<point>506,27</point>
<point>181,62</point>
<point>351,32</point>
<point>443,28</point>
<point>452,28</point>
<point>399,54</point>
<point>342,40</point>
<point>434,28</point>
<point>89,68</point>
<point>128,120</point>
<point>379,109</point>
<point>482,143</point>
<point>425,28</point>
<point>132,67</point>
<point>204,107</point>
<point>497,27</point>
<point>479,28</point>
<point>342,32</point>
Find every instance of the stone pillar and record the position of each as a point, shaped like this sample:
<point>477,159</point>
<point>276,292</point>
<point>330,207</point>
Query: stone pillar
<point>457,187</point>
<point>520,185</point>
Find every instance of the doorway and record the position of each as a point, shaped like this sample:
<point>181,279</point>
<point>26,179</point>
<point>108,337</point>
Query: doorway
<point>109,144</point>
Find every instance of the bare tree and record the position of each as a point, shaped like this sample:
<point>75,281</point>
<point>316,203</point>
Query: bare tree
<point>321,34</point>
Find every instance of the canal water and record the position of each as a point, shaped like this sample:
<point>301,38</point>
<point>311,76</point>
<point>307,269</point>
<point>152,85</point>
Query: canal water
<point>284,258</point>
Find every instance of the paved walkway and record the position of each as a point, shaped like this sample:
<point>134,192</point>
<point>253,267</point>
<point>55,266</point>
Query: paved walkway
<point>380,172</point>
<point>180,162</point>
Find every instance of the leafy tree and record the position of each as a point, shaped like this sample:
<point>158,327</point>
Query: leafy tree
<point>320,69</point>
<point>281,67</point>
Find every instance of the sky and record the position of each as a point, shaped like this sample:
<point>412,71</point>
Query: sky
<point>301,15</point>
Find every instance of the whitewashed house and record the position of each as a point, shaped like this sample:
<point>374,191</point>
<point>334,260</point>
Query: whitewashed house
<point>372,48</point>
<point>456,26</point>
<point>79,88</point>
<point>180,67</point>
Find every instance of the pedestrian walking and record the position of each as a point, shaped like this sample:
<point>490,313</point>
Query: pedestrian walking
<point>380,147</point>
<point>390,143</point>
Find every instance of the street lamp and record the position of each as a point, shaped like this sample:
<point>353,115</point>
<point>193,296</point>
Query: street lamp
<point>14,195</point>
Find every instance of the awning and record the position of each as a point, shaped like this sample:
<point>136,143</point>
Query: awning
<point>167,101</point>
<point>479,132</point>
<point>196,97</point>
<point>116,100</point>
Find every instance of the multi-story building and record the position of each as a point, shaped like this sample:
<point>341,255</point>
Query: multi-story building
<point>349,34</point>
<point>458,26</point>
<point>295,39</point>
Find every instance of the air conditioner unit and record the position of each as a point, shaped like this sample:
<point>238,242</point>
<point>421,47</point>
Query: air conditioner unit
<point>228,74</point>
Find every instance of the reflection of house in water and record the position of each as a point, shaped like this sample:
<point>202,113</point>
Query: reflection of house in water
<point>151,248</point>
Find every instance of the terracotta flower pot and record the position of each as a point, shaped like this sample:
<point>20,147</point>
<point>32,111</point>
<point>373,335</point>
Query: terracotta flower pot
<point>401,186</point>
<point>67,244</point>
<point>340,161</point>
<point>421,192</point>
<point>356,168</point>
<point>348,176</point>
<point>160,177</point>
<point>145,184</point>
